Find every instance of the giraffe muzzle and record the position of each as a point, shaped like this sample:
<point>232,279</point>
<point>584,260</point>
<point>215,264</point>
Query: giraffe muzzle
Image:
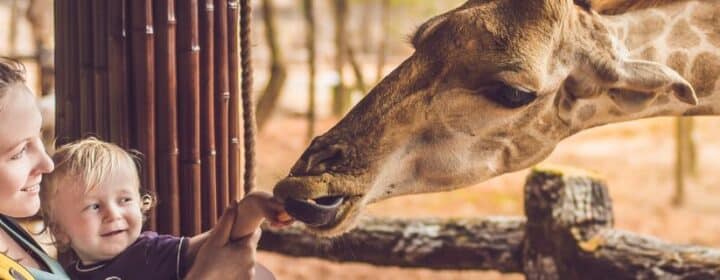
<point>315,212</point>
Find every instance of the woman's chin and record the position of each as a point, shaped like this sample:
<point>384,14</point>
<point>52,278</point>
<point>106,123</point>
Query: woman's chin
<point>23,206</point>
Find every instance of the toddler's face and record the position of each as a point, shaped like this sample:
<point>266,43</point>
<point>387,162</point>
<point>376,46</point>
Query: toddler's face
<point>103,222</point>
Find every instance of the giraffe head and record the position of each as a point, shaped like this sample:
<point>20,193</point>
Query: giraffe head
<point>491,88</point>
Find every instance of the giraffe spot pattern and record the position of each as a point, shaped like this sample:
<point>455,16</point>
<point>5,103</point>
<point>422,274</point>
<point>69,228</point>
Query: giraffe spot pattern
<point>709,21</point>
<point>705,73</point>
<point>681,36</point>
<point>649,53</point>
<point>678,61</point>
<point>586,112</point>
<point>645,31</point>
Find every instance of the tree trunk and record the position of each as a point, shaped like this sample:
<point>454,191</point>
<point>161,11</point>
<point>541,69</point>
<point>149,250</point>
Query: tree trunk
<point>310,42</point>
<point>384,30</point>
<point>357,70</point>
<point>278,71</point>
<point>567,235</point>
<point>685,157</point>
<point>341,98</point>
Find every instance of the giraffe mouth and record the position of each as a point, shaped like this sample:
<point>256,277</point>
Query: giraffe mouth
<point>327,215</point>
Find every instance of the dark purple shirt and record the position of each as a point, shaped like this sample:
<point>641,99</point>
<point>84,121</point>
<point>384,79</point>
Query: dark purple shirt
<point>152,256</point>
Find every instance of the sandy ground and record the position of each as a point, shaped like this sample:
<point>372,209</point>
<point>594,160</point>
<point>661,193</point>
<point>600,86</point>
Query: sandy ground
<point>635,158</point>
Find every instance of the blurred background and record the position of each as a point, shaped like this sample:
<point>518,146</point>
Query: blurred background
<point>661,172</point>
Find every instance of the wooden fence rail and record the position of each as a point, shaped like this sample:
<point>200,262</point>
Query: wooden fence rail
<point>567,234</point>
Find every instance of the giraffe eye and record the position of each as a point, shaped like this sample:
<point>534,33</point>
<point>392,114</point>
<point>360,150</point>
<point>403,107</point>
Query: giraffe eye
<point>510,97</point>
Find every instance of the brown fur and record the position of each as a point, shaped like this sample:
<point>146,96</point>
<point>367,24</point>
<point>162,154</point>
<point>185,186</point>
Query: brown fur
<point>614,7</point>
<point>705,73</point>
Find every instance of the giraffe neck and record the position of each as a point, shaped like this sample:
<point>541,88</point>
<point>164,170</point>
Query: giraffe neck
<point>684,36</point>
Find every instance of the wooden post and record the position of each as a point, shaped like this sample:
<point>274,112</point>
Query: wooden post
<point>99,15</point>
<point>168,189</point>
<point>143,89</point>
<point>207,115</point>
<point>235,142</point>
<point>188,52</point>
<point>222,96</point>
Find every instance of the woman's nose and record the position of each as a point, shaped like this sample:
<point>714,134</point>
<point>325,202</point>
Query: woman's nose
<point>44,162</point>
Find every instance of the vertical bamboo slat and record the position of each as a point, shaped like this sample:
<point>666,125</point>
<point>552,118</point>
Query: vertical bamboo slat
<point>207,115</point>
<point>99,46</point>
<point>168,189</point>
<point>143,64</point>
<point>117,73</point>
<point>221,103</point>
<point>60,26</point>
<point>188,97</point>
<point>85,49</point>
<point>73,98</point>
<point>234,162</point>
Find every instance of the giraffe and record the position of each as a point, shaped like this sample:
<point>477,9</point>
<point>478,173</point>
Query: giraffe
<point>493,86</point>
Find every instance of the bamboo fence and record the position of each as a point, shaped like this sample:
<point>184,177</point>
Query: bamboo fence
<point>161,77</point>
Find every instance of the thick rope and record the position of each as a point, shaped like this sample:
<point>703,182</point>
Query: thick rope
<point>247,98</point>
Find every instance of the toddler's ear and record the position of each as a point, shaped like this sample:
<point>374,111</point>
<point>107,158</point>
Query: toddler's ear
<point>147,202</point>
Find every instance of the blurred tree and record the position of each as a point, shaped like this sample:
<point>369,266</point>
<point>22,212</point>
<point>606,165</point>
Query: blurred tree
<point>310,43</point>
<point>278,70</point>
<point>341,99</point>
<point>357,70</point>
<point>382,46</point>
<point>685,157</point>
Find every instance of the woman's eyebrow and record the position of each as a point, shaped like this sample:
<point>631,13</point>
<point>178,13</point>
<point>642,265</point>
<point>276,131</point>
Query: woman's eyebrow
<point>9,149</point>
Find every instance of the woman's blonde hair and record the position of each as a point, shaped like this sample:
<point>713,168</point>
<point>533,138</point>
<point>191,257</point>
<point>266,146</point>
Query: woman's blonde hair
<point>11,72</point>
<point>88,163</point>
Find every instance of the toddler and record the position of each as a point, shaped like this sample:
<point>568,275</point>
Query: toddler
<point>93,205</point>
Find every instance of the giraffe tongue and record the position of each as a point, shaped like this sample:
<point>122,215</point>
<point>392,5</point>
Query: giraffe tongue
<point>317,212</point>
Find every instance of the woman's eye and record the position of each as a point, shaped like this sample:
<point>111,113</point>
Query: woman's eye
<point>511,97</point>
<point>19,154</point>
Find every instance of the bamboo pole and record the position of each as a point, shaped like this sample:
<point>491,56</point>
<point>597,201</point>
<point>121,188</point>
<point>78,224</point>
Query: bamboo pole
<point>61,63</point>
<point>221,104</point>
<point>234,148</point>
<point>309,14</point>
<point>117,73</point>
<point>85,48</point>
<point>207,115</point>
<point>73,102</point>
<point>168,190</point>
<point>99,46</point>
<point>188,97</point>
<point>142,47</point>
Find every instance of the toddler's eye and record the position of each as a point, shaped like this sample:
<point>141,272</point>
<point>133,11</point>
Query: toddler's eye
<point>126,200</point>
<point>93,207</point>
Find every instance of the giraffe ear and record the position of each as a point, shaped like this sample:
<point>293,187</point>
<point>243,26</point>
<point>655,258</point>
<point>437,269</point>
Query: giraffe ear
<point>637,83</point>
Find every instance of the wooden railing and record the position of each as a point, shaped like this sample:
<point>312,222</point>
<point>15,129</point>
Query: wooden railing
<point>567,234</point>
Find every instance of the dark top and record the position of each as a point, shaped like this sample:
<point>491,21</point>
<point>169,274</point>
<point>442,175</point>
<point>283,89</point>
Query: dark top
<point>53,270</point>
<point>151,256</point>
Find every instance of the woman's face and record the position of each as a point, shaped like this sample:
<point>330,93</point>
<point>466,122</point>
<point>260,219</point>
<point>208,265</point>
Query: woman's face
<point>22,155</point>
